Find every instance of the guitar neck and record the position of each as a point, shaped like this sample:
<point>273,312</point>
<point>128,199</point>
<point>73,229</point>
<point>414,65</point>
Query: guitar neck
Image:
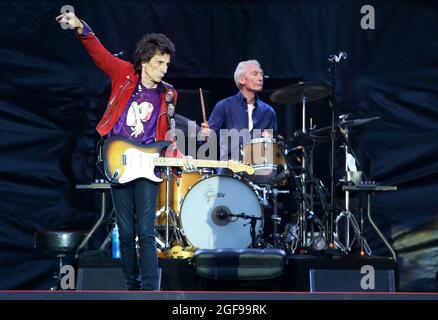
<point>179,162</point>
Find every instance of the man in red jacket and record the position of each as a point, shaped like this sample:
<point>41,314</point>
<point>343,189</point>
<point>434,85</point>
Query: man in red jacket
<point>140,108</point>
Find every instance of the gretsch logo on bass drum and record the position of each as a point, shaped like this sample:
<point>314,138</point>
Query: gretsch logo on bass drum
<point>210,194</point>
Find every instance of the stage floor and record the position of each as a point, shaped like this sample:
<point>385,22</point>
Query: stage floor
<point>301,273</point>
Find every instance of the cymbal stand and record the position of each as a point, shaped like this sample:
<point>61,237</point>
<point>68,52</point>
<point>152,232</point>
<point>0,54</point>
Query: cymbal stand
<point>350,220</point>
<point>303,205</point>
<point>310,185</point>
<point>333,61</point>
<point>307,183</point>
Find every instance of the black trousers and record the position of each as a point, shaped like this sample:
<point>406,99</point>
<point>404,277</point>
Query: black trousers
<point>134,204</point>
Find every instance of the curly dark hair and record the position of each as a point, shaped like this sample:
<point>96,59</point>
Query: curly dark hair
<point>150,45</point>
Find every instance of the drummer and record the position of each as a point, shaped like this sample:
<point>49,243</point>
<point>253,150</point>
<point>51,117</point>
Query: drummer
<point>242,111</point>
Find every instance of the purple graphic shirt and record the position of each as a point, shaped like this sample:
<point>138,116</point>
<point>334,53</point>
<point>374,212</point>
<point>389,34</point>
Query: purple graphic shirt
<point>144,107</point>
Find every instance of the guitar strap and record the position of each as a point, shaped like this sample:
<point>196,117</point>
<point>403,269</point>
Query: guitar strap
<point>99,159</point>
<point>170,99</point>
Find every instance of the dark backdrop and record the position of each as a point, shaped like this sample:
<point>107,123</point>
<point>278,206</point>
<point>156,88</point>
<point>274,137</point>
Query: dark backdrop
<point>52,95</point>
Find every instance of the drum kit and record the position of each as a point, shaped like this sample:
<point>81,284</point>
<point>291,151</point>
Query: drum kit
<point>204,210</point>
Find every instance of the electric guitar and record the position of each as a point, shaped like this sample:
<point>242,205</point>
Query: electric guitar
<point>126,160</point>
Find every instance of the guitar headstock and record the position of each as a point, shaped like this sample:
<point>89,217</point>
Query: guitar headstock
<point>236,166</point>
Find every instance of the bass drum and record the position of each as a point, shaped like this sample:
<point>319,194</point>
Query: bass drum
<point>179,186</point>
<point>205,213</point>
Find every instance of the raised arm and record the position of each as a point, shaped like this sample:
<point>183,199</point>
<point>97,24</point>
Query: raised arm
<point>100,55</point>
<point>70,20</point>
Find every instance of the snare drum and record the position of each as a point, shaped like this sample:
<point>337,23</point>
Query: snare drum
<point>266,156</point>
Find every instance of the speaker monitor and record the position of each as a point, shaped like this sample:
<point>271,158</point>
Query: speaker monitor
<point>98,271</point>
<point>366,279</point>
<point>100,278</point>
<point>102,273</point>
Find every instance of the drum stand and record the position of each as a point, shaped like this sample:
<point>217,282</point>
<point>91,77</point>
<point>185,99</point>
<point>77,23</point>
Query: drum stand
<point>168,210</point>
<point>266,190</point>
<point>308,220</point>
<point>350,220</point>
<point>308,182</point>
<point>170,217</point>
<point>275,217</point>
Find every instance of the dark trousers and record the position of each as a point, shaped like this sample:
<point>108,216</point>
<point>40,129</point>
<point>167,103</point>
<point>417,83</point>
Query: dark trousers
<point>134,204</point>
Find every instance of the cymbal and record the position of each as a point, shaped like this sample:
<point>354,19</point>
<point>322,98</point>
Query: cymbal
<point>323,130</point>
<point>356,122</point>
<point>295,93</point>
<point>346,123</point>
<point>301,138</point>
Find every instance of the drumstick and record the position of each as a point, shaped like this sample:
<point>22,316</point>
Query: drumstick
<point>204,117</point>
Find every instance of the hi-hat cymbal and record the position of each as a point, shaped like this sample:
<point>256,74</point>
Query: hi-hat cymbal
<point>295,93</point>
<point>342,124</point>
<point>323,130</point>
<point>356,122</point>
<point>301,138</point>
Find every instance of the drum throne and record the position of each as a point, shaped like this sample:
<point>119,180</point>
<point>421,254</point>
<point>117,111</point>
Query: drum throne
<point>59,244</point>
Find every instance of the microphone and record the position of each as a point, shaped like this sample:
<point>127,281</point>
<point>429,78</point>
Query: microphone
<point>287,151</point>
<point>342,54</point>
<point>345,116</point>
<point>119,54</point>
<point>337,58</point>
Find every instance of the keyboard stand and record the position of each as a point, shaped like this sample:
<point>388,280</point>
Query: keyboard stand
<point>370,189</point>
<point>104,187</point>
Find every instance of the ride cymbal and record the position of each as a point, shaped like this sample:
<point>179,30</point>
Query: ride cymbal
<point>295,93</point>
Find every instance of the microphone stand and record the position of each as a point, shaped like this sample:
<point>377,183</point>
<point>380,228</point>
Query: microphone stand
<point>253,222</point>
<point>333,60</point>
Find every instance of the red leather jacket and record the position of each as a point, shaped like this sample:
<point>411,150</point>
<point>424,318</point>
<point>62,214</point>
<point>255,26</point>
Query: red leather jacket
<point>123,82</point>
